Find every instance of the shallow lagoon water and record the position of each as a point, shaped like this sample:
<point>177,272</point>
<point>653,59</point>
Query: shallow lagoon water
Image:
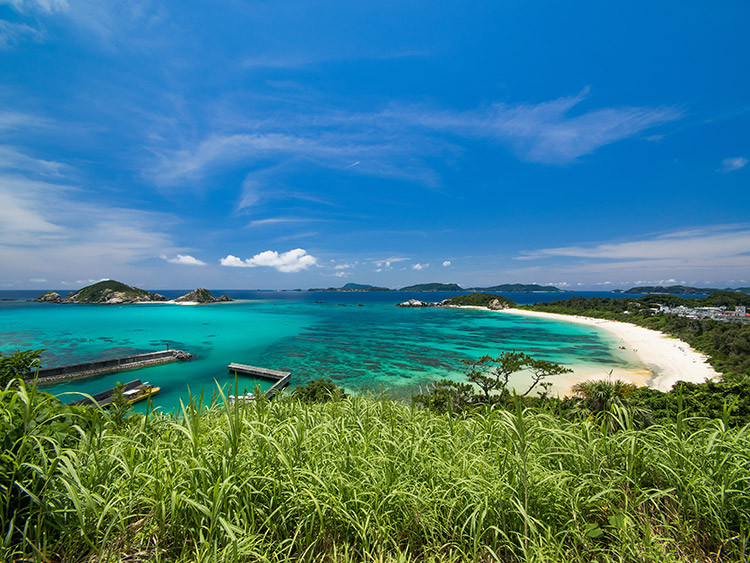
<point>361,341</point>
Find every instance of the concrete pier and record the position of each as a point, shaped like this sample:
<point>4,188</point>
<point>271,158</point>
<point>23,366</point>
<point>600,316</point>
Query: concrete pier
<point>280,378</point>
<point>49,376</point>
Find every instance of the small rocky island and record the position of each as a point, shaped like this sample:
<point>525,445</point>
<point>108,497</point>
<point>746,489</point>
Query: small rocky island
<point>111,292</point>
<point>488,300</point>
<point>201,295</point>
<point>107,292</point>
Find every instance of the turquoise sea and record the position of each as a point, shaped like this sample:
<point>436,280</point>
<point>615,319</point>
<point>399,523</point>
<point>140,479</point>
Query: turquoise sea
<point>360,340</point>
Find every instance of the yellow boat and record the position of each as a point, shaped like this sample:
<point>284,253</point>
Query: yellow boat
<point>140,393</point>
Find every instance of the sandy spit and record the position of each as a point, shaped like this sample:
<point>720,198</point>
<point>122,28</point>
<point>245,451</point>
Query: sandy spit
<point>667,359</point>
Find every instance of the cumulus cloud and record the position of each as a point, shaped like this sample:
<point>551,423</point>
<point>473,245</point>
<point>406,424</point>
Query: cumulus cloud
<point>420,266</point>
<point>446,264</point>
<point>288,262</point>
<point>732,164</point>
<point>184,259</point>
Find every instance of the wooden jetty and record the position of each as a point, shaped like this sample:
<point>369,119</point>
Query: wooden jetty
<point>280,378</point>
<point>47,376</point>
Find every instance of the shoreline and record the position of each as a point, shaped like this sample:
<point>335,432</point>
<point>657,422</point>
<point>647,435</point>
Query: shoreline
<point>666,359</point>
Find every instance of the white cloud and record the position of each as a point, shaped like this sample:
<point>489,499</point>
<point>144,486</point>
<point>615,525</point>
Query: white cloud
<point>732,164</point>
<point>233,261</point>
<point>386,262</point>
<point>292,261</point>
<point>184,259</point>
<point>279,220</point>
<point>420,266</point>
<point>718,251</point>
<point>447,264</point>
<point>38,280</point>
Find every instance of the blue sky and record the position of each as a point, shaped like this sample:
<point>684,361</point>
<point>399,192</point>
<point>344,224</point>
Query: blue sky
<point>235,144</point>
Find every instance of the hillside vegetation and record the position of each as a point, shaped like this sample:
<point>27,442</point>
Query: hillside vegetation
<point>479,300</point>
<point>111,291</point>
<point>362,479</point>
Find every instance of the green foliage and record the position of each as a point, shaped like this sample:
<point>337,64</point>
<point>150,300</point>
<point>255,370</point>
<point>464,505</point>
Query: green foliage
<point>447,397</point>
<point>35,428</point>
<point>18,365</point>
<point>319,391</point>
<point>479,300</point>
<point>369,480</point>
<point>100,291</point>
<point>492,377</point>
<point>119,409</point>
<point>602,394</point>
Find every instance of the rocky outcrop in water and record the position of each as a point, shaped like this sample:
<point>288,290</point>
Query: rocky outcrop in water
<point>49,297</point>
<point>201,295</point>
<point>418,303</point>
<point>497,305</point>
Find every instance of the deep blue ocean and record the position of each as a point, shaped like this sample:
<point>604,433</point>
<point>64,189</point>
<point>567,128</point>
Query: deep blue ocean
<point>362,341</point>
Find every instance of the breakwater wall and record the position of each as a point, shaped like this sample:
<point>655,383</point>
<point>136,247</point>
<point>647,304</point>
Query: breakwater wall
<point>99,367</point>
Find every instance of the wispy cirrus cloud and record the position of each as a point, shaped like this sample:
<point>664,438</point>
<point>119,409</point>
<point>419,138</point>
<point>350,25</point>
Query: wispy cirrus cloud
<point>711,242</point>
<point>732,164</point>
<point>718,251</point>
<point>12,33</point>
<point>547,132</point>
<point>398,141</point>
<point>53,230</point>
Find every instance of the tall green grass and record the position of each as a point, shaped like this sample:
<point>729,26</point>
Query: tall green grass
<point>368,479</point>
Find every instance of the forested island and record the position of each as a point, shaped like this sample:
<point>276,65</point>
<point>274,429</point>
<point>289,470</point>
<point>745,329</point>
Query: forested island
<point>349,287</point>
<point>679,290</point>
<point>111,292</point>
<point>450,287</point>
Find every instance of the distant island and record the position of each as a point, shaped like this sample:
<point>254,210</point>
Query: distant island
<point>353,287</point>
<point>111,292</point>
<point>433,287</point>
<point>521,288</point>
<point>679,290</point>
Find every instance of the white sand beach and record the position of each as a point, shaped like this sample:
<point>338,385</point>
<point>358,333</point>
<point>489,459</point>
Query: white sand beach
<point>667,359</point>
